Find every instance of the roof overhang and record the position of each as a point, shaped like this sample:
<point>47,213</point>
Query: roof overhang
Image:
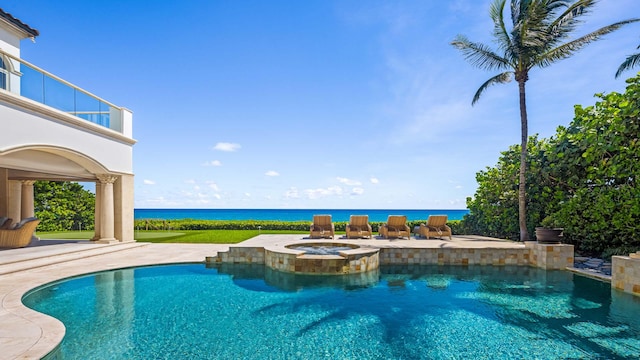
<point>22,28</point>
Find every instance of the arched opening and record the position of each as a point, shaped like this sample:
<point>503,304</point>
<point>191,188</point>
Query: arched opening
<point>21,167</point>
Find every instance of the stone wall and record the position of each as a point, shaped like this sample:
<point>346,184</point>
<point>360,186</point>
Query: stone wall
<point>550,256</point>
<point>454,256</point>
<point>239,255</point>
<point>349,262</point>
<point>625,273</point>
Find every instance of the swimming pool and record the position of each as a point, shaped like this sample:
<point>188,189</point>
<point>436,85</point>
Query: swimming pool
<point>422,312</point>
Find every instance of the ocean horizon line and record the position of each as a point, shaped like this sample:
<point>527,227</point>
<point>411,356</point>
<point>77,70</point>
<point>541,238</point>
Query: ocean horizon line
<point>239,208</point>
<point>288,214</point>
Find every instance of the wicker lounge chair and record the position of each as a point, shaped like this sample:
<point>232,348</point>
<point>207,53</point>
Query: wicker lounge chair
<point>322,227</point>
<point>5,222</point>
<point>436,226</point>
<point>396,226</point>
<point>358,227</point>
<point>19,236</point>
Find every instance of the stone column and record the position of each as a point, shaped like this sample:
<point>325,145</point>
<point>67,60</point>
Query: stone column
<point>27,209</point>
<point>15,201</point>
<point>123,198</point>
<point>4,192</point>
<point>106,207</point>
<point>96,217</point>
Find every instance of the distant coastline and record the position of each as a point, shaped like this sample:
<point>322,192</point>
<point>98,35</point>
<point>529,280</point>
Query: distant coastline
<point>290,214</point>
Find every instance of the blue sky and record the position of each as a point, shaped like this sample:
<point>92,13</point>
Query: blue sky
<point>310,104</point>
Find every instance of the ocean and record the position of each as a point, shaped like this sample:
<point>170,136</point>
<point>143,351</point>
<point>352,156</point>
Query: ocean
<point>289,214</point>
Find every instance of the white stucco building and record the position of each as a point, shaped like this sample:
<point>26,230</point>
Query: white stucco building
<point>53,130</point>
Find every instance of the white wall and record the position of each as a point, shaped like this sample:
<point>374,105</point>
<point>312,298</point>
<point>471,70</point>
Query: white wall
<point>9,41</point>
<point>25,128</point>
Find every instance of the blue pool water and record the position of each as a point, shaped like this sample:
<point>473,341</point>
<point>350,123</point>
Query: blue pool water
<point>426,312</point>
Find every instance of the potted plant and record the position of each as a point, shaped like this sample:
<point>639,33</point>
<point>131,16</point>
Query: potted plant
<point>550,232</point>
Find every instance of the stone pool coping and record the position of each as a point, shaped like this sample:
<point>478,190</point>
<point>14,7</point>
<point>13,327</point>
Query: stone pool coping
<point>27,334</point>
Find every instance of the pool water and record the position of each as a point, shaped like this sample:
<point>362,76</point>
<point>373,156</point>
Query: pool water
<point>422,312</point>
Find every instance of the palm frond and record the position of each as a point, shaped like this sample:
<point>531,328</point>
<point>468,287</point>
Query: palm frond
<point>567,22</point>
<point>503,78</point>
<point>631,62</point>
<point>565,50</point>
<point>534,25</point>
<point>515,11</point>
<point>499,30</point>
<point>480,55</point>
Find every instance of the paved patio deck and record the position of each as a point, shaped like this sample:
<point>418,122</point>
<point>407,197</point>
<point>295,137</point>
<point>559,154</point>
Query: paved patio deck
<point>26,334</point>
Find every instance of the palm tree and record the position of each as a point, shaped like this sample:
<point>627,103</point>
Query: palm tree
<point>631,62</point>
<point>536,39</point>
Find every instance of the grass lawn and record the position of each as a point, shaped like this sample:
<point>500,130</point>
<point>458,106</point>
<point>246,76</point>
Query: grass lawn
<point>182,236</point>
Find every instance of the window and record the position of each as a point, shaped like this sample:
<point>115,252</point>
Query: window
<point>3,74</point>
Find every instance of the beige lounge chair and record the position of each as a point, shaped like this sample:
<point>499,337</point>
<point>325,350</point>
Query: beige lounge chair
<point>396,226</point>
<point>436,226</point>
<point>322,227</point>
<point>20,236</point>
<point>358,227</point>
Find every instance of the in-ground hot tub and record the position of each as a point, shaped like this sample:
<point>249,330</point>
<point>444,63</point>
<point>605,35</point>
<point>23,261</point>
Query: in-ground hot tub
<point>322,248</point>
<point>322,258</point>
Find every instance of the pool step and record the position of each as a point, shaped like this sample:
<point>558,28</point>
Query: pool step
<point>34,257</point>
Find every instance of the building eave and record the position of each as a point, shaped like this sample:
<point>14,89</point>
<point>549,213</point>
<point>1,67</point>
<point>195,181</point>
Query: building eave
<point>26,30</point>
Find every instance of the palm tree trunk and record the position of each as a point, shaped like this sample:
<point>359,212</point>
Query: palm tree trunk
<point>522,195</point>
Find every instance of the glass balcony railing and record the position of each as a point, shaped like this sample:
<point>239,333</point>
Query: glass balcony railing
<point>27,80</point>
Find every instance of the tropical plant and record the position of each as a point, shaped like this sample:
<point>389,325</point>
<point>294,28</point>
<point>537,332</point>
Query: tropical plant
<point>494,208</point>
<point>63,206</point>
<point>536,39</point>
<point>585,179</point>
<point>597,166</point>
<point>629,63</point>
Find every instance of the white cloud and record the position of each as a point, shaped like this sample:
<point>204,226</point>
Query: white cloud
<point>196,188</point>
<point>190,181</point>
<point>217,196</point>
<point>213,186</point>
<point>357,191</point>
<point>149,182</point>
<point>319,193</point>
<point>228,147</point>
<point>349,182</point>
<point>374,180</point>
<point>247,194</point>
<point>292,193</point>
<point>212,163</point>
<point>272,173</point>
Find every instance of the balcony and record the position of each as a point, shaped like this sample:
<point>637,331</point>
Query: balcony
<point>28,81</point>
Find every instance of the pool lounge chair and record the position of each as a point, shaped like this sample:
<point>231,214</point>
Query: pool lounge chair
<point>436,226</point>
<point>322,227</point>
<point>358,227</point>
<point>20,235</point>
<point>5,222</point>
<point>396,226</point>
